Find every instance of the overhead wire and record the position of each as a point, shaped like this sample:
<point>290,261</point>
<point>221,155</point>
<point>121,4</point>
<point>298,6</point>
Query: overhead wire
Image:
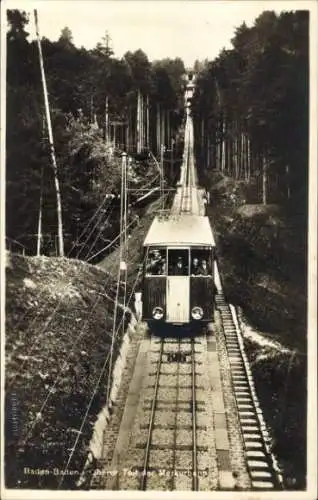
<point>39,310</point>
<point>43,329</point>
<point>88,223</point>
<point>122,222</point>
<point>98,234</point>
<point>73,448</point>
<point>91,232</point>
<point>50,391</point>
<point>95,304</point>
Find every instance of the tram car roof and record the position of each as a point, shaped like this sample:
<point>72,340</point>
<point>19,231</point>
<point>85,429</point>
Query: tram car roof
<point>180,230</point>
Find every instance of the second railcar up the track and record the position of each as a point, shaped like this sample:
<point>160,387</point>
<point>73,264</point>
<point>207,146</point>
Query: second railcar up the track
<point>178,272</point>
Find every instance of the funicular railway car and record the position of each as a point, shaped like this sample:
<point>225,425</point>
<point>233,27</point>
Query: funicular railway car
<point>178,273</point>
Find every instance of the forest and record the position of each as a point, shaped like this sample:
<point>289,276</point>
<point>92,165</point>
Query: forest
<point>100,106</point>
<point>251,117</point>
<point>251,110</point>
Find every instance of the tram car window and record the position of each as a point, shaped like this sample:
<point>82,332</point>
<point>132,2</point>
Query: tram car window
<point>156,262</point>
<point>178,262</point>
<point>201,262</point>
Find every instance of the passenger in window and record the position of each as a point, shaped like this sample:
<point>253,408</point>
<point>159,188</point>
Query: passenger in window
<point>162,266</point>
<point>195,266</point>
<point>204,268</point>
<point>160,263</point>
<point>179,268</point>
<point>155,263</point>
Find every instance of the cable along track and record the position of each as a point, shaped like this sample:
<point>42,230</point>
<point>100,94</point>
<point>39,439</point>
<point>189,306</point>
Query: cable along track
<point>261,464</point>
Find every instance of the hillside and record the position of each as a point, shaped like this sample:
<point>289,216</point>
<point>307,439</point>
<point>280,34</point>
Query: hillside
<point>262,259</point>
<point>59,317</point>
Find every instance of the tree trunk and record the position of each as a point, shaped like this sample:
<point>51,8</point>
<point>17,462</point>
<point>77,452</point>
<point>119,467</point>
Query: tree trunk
<point>287,182</point>
<point>147,123</point>
<point>126,139</point>
<point>202,137</point>
<point>208,152</point>
<point>219,149</point>
<point>249,159</point>
<point>264,180</point>
<point>115,138</point>
<point>162,131</point>
<point>142,122</point>
<point>223,148</point>
<point>92,109</point>
<point>235,152</point>
<point>158,121</point>
<point>241,155</point>
<point>138,124</point>
<point>51,143</point>
<point>106,121</point>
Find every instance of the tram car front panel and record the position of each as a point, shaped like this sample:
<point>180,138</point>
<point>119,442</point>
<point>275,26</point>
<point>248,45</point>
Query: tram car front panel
<point>178,284</point>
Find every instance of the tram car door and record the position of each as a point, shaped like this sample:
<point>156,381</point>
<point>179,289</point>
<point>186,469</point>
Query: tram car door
<point>178,286</point>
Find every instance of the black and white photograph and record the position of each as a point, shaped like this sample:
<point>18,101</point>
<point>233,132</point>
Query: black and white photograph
<point>159,249</point>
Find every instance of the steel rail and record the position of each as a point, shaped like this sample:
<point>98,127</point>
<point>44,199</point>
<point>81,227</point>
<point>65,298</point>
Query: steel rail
<point>143,481</point>
<point>183,186</point>
<point>185,202</point>
<point>195,479</point>
<point>175,421</point>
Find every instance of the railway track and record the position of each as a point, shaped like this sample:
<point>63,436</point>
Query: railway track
<point>188,184</point>
<point>196,423</point>
<point>183,351</point>
<point>169,446</point>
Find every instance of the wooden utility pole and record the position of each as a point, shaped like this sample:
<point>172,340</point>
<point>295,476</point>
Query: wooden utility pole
<point>51,143</point>
<point>39,239</point>
<point>123,231</point>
